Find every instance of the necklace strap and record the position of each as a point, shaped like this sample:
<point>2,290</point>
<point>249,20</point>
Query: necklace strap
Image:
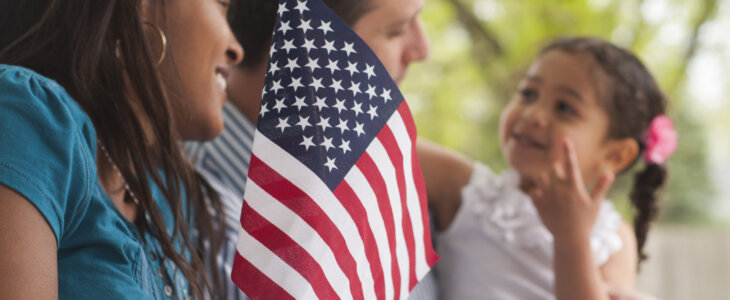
<point>114,165</point>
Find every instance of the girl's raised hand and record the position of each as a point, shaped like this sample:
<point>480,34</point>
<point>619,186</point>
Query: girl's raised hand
<point>562,200</point>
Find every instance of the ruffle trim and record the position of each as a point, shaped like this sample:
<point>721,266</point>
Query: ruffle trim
<point>504,210</point>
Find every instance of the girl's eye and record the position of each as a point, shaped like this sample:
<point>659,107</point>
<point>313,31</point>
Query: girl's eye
<point>567,109</point>
<point>529,94</point>
<point>225,4</point>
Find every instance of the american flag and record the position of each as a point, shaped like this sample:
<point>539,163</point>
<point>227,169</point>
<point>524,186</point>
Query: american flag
<point>335,204</point>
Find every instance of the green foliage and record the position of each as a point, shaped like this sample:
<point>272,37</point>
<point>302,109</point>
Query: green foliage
<point>481,47</point>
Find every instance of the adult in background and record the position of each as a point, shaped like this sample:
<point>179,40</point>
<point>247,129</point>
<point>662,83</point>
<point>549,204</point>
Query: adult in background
<point>392,28</point>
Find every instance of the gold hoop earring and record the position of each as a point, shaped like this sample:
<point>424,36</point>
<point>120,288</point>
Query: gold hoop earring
<point>163,37</point>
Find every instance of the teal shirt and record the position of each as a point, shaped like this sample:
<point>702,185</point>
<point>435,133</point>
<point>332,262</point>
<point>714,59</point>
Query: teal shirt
<point>48,155</point>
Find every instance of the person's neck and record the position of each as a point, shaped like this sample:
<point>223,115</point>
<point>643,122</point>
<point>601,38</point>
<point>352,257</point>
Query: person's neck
<point>244,90</point>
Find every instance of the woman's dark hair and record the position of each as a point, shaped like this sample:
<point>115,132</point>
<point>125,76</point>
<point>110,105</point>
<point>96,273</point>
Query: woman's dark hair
<point>98,52</point>
<point>632,99</point>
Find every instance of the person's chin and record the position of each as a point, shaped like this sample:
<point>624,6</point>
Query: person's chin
<point>221,96</point>
<point>213,131</point>
<point>202,131</point>
<point>527,165</point>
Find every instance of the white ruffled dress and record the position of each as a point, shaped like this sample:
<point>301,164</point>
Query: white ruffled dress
<point>497,247</point>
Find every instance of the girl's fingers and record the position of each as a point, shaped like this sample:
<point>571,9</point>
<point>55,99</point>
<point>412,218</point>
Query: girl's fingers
<point>571,166</point>
<point>558,171</point>
<point>544,180</point>
<point>602,185</point>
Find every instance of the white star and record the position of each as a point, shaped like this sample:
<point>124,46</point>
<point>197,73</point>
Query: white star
<point>276,86</point>
<point>273,68</point>
<point>299,103</point>
<point>307,142</point>
<point>373,112</point>
<point>343,126</point>
<point>283,124</point>
<point>309,45</point>
<point>279,105</point>
<point>320,103</point>
<point>316,84</point>
<point>284,27</point>
<point>329,45</point>
<point>263,110</point>
<point>272,50</point>
<point>327,144</point>
<point>330,164</point>
<point>355,88</point>
<point>313,64</point>
<point>282,9</point>
<point>386,95</point>
<point>304,26</point>
<point>292,64</point>
<point>345,146</point>
<point>340,106</point>
<point>288,45</point>
<point>332,66</point>
<point>348,48</point>
<point>296,83</point>
<point>352,67</point>
<point>357,108</point>
<point>371,92</point>
<point>301,6</point>
<point>337,85</point>
<point>370,70</point>
<point>324,123</point>
<point>359,129</point>
<point>304,123</point>
<point>325,27</point>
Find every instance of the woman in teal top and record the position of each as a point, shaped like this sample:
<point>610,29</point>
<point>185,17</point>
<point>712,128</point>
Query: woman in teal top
<point>96,200</point>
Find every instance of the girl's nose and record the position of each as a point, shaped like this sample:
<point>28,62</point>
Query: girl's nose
<point>536,115</point>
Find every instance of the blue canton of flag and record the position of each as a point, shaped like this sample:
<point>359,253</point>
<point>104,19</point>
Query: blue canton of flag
<point>326,95</point>
<point>335,204</point>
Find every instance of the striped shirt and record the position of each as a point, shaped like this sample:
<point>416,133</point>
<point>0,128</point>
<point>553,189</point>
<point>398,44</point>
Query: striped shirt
<point>224,163</point>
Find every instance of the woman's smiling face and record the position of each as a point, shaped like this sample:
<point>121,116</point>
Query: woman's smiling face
<point>203,48</point>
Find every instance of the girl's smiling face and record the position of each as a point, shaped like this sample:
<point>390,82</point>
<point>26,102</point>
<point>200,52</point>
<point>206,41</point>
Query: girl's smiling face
<point>560,96</point>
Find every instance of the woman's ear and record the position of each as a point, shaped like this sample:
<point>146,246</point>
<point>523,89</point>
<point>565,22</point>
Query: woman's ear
<point>620,154</point>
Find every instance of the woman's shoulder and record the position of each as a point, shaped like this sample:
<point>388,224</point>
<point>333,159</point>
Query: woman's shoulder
<point>31,90</point>
<point>33,102</point>
<point>26,84</point>
<point>48,145</point>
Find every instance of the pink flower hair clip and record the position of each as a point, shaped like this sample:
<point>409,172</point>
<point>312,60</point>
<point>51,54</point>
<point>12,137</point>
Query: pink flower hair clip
<point>660,140</point>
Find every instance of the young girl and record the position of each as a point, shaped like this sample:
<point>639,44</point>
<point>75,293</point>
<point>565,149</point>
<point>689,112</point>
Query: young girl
<point>97,201</point>
<point>584,111</point>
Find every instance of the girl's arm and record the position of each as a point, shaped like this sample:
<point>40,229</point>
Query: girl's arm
<point>27,250</point>
<point>445,172</point>
<point>620,270</point>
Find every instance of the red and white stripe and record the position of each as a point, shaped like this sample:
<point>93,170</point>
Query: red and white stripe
<point>367,239</point>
